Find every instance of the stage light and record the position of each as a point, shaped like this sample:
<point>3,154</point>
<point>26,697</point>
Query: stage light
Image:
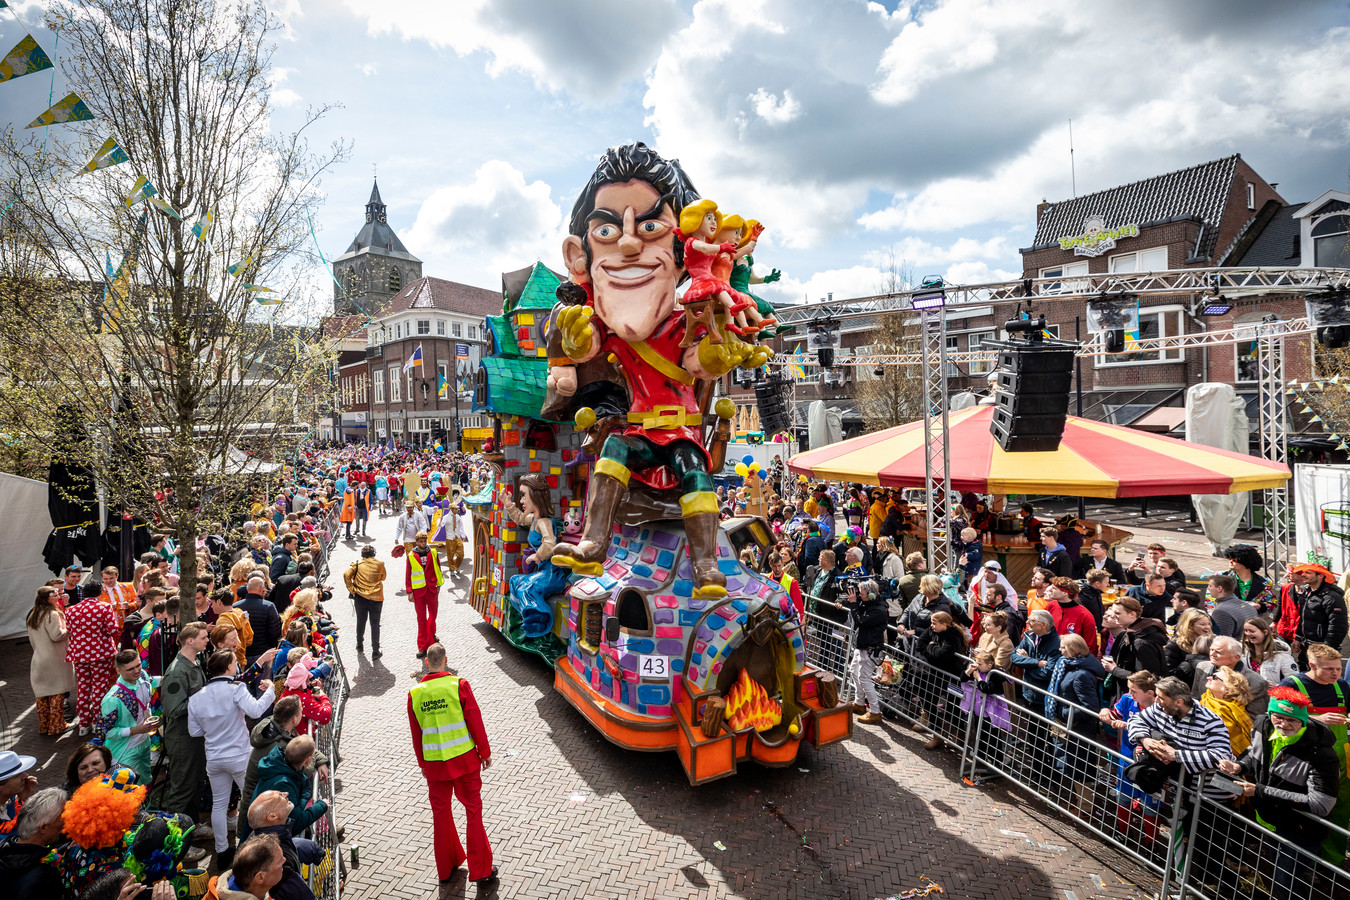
<point>1217,309</point>
<point>931,294</point>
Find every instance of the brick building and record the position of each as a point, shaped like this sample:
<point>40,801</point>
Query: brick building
<point>1218,213</point>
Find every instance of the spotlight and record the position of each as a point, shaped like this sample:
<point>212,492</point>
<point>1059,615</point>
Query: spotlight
<point>931,294</point>
<point>1222,308</point>
<point>1329,315</point>
<point>1111,317</point>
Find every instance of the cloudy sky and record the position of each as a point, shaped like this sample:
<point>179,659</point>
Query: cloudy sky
<point>857,131</point>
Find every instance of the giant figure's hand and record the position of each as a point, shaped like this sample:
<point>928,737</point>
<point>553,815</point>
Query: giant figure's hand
<point>563,379</point>
<point>576,330</point>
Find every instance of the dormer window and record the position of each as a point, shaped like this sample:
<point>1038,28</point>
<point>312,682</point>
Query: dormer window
<point>1330,237</point>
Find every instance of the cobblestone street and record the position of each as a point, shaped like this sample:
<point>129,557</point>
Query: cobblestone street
<point>571,816</point>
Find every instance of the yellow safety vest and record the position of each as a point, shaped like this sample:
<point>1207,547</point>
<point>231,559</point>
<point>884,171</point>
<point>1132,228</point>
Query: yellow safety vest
<point>436,707</point>
<point>419,575</point>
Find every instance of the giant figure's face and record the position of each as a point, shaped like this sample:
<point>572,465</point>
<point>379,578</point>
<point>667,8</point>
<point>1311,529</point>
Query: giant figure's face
<point>632,267</point>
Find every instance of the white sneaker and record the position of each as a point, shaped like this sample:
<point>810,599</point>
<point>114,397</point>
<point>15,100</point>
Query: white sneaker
<point>195,854</point>
<point>84,729</point>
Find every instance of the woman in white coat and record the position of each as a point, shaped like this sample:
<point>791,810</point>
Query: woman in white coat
<point>51,676</point>
<point>217,712</point>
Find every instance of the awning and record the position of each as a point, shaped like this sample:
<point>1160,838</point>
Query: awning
<point>1161,420</point>
<point>1093,460</point>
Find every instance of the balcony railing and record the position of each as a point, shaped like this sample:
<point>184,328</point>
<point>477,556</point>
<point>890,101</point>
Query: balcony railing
<point>375,351</point>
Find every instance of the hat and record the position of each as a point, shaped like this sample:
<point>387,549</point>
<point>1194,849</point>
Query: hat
<point>1313,569</point>
<point>1289,702</point>
<point>12,764</point>
<point>993,564</point>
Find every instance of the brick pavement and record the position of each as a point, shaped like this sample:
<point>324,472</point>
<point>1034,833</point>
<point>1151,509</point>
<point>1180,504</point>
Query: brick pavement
<point>572,816</point>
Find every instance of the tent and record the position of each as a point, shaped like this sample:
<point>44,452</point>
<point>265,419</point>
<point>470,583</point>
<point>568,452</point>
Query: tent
<point>1093,460</point>
<point>23,531</point>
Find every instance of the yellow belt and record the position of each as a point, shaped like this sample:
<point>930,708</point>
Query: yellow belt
<point>666,417</point>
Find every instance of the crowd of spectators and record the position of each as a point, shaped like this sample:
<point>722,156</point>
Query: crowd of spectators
<point>1242,681</point>
<point>200,714</point>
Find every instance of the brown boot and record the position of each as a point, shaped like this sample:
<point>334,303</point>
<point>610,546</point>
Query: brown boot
<point>701,524</point>
<point>609,483</point>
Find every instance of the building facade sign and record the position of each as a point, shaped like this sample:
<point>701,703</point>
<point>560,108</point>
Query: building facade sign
<point>1096,238</point>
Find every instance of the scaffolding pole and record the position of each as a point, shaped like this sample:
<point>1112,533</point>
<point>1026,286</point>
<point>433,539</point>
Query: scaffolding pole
<point>1274,433</point>
<point>937,461</point>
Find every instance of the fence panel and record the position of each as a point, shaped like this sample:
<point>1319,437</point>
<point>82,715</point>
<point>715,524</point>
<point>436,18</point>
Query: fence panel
<point>1234,857</point>
<point>829,646</point>
<point>913,690</point>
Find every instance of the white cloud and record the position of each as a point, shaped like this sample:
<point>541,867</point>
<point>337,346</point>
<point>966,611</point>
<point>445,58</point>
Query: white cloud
<point>591,55</point>
<point>282,96</point>
<point>769,108</point>
<point>494,223</point>
<point>369,69</point>
<point>855,281</point>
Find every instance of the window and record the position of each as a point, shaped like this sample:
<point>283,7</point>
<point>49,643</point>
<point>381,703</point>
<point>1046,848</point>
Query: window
<point>953,346</point>
<point>379,385</point>
<point>398,331</point>
<point>411,396</point>
<point>1151,260</point>
<point>1068,270</point>
<point>395,281</point>
<point>975,342</point>
<point>442,379</point>
<point>1153,323</point>
<point>456,329</point>
<point>424,326</point>
<point>440,327</point>
<point>394,385</point>
<point>1331,242</point>
<point>633,615</point>
<point>1246,363</point>
<point>473,333</point>
<point>1251,195</point>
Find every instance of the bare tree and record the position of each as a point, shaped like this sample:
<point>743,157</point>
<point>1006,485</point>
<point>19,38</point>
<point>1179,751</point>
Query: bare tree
<point>891,395</point>
<point>174,365</point>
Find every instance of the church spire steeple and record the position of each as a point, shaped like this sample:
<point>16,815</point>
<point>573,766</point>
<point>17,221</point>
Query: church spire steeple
<point>375,211</point>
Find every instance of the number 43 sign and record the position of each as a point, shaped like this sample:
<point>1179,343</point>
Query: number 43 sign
<point>654,667</point>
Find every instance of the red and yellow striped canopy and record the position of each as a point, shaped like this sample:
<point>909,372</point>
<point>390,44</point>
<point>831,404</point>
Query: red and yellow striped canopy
<point>1093,460</point>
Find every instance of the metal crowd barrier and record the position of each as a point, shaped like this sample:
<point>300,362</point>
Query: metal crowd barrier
<point>325,878</point>
<point>1198,847</point>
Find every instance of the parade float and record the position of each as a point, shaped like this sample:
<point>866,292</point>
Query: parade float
<point>601,547</point>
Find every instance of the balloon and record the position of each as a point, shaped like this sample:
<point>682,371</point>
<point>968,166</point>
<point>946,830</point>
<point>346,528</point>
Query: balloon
<point>748,458</point>
<point>754,466</point>
<point>741,470</point>
<point>763,476</point>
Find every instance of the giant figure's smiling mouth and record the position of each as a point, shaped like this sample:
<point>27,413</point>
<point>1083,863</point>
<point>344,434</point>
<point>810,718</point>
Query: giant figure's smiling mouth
<point>630,273</point>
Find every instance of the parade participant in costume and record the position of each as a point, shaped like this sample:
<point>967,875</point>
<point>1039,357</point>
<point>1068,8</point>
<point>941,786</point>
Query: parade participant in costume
<point>452,749</point>
<point>129,714</point>
<point>93,631</point>
<point>423,579</point>
<point>530,591</point>
<point>452,523</point>
<point>621,243</point>
<point>96,820</point>
<point>119,596</point>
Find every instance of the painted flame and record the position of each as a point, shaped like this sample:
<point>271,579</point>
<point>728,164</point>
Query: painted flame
<point>749,706</point>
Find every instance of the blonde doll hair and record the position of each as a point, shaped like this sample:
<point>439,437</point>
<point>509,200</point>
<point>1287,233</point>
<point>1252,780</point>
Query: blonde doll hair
<point>749,234</point>
<point>691,217</point>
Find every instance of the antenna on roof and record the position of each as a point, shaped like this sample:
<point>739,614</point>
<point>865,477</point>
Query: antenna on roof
<point>1073,174</point>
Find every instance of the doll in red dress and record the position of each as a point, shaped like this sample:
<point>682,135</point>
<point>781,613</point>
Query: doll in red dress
<point>699,221</point>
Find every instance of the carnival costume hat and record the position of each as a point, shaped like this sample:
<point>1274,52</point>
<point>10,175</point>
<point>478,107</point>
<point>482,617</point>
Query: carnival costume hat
<point>1245,555</point>
<point>158,846</point>
<point>99,813</point>
<point>1289,702</point>
<point>1313,569</point>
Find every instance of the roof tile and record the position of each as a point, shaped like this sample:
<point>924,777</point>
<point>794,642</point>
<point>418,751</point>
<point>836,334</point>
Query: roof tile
<point>448,296</point>
<point>1199,192</point>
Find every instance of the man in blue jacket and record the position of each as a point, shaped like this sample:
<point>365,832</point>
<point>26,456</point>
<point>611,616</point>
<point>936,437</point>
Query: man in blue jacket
<point>262,618</point>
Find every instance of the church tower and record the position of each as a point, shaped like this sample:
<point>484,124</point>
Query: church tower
<point>375,267</point>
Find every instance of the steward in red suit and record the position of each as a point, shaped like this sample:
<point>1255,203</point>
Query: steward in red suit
<point>452,749</point>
